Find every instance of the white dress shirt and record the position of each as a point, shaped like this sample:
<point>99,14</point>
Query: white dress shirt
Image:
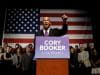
<point>48,30</point>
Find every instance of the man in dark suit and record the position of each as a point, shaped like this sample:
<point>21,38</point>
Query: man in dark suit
<point>47,31</point>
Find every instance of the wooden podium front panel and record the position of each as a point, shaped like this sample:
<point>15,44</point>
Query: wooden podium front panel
<point>52,67</point>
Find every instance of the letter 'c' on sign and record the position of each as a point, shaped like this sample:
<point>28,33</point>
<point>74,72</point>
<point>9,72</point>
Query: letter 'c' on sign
<point>46,42</point>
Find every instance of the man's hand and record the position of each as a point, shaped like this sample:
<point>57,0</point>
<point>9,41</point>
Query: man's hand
<point>64,17</point>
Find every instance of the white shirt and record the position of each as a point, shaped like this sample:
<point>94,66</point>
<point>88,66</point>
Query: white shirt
<point>48,30</point>
<point>84,56</point>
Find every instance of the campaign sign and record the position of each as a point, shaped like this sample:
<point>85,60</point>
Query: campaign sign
<point>52,47</point>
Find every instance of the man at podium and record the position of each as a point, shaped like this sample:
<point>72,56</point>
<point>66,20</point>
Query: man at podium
<point>48,31</point>
<point>49,66</point>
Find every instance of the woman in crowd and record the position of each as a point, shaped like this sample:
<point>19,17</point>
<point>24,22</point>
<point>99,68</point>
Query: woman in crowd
<point>73,61</point>
<point>17,60</point>
<point>8,60</point>
<point>84,61</point>
<point>94,57</point>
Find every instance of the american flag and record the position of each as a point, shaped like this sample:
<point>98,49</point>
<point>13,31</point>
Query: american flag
<point>22,24</point>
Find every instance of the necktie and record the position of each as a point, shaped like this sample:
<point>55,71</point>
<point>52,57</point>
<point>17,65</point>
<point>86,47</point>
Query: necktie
<point>46,33</point>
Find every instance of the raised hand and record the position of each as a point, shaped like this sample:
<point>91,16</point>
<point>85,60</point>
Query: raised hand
<point>64,17</point>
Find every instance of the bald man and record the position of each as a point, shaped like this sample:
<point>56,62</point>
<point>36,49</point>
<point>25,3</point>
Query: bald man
<point>48,31</point>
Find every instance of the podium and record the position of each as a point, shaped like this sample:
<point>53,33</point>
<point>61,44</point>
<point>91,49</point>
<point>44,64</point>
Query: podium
<point>52,56</point>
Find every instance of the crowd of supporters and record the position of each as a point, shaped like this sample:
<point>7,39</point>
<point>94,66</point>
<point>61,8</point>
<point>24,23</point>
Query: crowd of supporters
<point>84,60</point>
<point>17,60</point>
<point>20,61</point>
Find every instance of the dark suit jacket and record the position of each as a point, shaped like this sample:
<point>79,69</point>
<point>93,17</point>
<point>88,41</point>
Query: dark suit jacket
<point>55,32</point>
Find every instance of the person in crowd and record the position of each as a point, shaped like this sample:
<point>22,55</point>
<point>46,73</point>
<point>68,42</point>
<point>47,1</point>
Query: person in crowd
<point>73,61</point>
<point>8,55</point>
<point>32,50</point>
<point>1,60</point>
<point>8,60</point>
<point>1,54</point>
<point>94,58</point>
<point>17,60</point>
<point>17,45</point>
<point>31,46</point>
<point>84,61</point>
<point>27,62</point>
<point>5,46</point>
<point>77,48</point>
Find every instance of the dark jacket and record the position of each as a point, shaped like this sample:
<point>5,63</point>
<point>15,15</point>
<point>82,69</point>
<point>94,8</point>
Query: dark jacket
<point>55,32</point>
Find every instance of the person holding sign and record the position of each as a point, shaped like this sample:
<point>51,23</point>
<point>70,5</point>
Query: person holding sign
<point>48,31</point>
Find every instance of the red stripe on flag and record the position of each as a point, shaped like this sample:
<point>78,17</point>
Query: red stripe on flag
<point>32,40</point>
<point>81,40</point>
<point>80,32</point>
<point>71,23</point>
<point>60,14</point>
<point>16,40</point>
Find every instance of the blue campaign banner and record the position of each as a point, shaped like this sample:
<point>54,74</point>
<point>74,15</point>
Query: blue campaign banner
<point>52,47</point>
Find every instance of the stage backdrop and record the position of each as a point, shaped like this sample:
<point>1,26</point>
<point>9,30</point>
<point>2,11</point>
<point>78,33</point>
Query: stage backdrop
<point>21,25</point>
